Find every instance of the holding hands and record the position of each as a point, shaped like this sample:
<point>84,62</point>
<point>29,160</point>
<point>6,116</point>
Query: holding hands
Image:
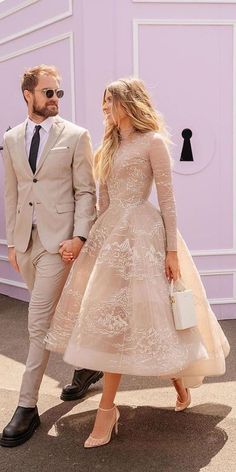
<point>70,249</point>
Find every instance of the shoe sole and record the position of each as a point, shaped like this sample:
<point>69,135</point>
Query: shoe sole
<point>13,442</point>
<point>81,394</point>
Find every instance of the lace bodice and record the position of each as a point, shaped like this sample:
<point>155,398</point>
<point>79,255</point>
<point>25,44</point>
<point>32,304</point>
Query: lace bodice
<point>137,161</point>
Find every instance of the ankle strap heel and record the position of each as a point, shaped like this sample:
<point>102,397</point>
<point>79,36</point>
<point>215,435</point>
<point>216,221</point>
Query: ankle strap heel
<point>105,409</point>
<point>96,442</point>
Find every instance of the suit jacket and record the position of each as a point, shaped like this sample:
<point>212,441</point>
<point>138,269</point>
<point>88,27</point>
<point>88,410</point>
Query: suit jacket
<point>62,191</point>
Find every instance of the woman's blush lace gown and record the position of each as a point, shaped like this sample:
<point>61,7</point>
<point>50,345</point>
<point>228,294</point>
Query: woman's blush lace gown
<point>114,313</point>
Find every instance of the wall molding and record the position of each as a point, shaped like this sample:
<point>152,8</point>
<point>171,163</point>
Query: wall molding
<point>33,47</point>
<point>184,1</point>
<point>17,8</point>
<point>141,22</point>
<point>222,301</point>
<point>3,258</point>
<point>213,252</point>
<point>213,301</point>
<point>188,22</point>
<point>212,273</point>
<point>38,26</point>
<point>72,77</point>
<point>13,283</point>
<point>194,253</point>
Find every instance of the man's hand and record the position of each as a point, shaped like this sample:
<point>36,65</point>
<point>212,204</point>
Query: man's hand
<point>70,249</point>
<point>12,258</point>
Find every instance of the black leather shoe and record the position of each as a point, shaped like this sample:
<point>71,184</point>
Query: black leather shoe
<point>21,427</point>
<point>80,384</point>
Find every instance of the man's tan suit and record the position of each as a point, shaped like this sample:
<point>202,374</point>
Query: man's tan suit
<point>61,196</point>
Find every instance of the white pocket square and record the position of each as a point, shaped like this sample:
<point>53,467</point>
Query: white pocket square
<point>60,148</point>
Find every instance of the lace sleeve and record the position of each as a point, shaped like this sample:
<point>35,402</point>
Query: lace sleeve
<point>161,166</point>
<point>103,199</point>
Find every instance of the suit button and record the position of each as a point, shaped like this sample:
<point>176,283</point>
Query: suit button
<point>35,180</point>
<point>31,204</point>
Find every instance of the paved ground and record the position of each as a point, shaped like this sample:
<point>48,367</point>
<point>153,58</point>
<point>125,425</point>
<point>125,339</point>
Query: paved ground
<point>152,437</point>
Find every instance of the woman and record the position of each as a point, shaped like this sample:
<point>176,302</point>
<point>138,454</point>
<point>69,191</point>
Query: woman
<point>116,299</point>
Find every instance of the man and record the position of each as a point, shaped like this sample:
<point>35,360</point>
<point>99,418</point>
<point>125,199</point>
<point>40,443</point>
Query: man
<point>50,208</point>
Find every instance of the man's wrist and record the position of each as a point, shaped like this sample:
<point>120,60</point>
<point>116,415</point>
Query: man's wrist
<point>81,238</point>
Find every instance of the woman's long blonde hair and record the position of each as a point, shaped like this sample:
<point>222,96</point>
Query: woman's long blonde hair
<point>132,95</point>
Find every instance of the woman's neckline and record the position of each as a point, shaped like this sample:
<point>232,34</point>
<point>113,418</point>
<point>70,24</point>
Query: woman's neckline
<point>127,133</point>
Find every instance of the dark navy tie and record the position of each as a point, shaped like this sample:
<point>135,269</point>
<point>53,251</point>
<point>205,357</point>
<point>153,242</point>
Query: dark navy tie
<point>34,147</point>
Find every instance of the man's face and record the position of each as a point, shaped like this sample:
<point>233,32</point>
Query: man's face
<point>38,103</point>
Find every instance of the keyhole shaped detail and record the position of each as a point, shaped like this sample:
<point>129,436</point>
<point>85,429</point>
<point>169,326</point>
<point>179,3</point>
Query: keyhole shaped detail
<point>186,154</point>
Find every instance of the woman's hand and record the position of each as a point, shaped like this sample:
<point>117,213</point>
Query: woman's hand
<point>172,266</point>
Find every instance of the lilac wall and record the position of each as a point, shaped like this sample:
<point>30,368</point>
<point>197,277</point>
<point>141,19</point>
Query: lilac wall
<point>185,53</point>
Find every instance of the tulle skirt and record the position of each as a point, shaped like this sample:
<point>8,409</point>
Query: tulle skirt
<point>115,315</point>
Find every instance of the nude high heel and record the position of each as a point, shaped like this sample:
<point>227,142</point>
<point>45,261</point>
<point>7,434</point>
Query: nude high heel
<point>96,442</point>
<point>180,406</point>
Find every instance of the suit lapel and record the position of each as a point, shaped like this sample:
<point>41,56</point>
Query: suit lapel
<point>54,134</point>
<point>22,150</point>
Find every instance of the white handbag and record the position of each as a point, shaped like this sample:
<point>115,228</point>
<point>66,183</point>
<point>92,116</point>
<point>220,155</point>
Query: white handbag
<point>183,308</point>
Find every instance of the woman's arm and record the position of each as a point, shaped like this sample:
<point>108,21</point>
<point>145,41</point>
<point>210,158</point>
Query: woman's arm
<point>103,198</point>
<point>161,167</point>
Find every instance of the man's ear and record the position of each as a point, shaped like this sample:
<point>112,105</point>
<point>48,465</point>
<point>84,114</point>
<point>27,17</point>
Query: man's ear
<point>27,95</point>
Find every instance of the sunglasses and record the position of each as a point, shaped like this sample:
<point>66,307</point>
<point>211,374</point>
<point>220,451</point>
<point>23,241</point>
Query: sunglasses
<point>49,93</point>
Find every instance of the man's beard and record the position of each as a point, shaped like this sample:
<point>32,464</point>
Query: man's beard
<point>45,112</point>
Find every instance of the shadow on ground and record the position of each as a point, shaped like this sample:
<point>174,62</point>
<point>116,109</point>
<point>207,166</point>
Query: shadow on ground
<point>150,439</point>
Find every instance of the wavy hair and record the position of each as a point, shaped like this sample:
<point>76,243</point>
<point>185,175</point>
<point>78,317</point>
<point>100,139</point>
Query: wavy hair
<point>133,97</point>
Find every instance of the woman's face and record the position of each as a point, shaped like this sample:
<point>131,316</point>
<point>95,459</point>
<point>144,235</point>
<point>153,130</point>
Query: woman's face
<point>112,117</point>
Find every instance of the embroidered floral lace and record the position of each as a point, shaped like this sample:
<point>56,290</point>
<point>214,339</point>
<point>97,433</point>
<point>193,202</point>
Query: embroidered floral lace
<point>115,311</point>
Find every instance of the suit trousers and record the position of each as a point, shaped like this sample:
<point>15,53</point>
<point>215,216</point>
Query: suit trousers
<point>45,275</point>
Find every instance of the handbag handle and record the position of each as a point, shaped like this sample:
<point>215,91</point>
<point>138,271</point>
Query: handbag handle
<point>178,285</point>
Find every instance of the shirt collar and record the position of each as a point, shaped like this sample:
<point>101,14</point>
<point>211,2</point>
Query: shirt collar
<point>46,124</point>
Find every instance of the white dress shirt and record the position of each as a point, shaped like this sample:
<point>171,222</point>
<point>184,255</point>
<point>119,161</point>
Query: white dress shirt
<point>43,133</point>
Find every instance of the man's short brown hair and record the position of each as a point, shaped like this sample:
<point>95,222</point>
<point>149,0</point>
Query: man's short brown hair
<point>31,76</point>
